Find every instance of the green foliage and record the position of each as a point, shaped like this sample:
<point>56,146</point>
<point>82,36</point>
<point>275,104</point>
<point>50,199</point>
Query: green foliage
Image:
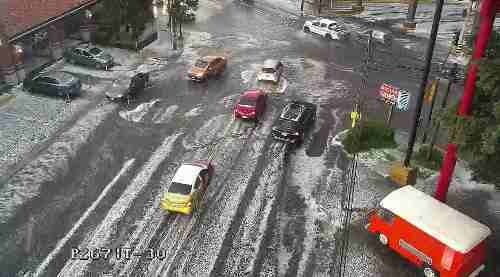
<point>373,134</point>
<point>113,16</point>
<point>480,139</point>
<point>436,158</point>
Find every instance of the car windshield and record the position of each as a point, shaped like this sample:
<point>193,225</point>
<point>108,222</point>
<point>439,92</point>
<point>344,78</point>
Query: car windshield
<point>179,188</point>
<point>121,82</point>
<point>201,63</point>
<point>287,125</point>
<point>245,101</point>
<point>95,51</point>
<point>268,70</point>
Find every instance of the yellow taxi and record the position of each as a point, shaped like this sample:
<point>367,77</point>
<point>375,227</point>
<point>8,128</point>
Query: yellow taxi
<point>187,188</point>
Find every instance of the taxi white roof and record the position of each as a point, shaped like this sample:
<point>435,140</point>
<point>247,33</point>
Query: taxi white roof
<point>327,21</point>
<point>451,227</point>
<point>186,174</point>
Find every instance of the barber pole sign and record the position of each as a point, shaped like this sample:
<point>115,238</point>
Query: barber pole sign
<point>394,96</point>
<point>403,101</point>
<point>388,94</point>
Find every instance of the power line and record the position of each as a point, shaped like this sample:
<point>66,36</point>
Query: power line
<point>350,179</point>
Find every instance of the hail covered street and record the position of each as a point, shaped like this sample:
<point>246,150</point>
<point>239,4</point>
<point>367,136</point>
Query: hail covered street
<point>270,210</point>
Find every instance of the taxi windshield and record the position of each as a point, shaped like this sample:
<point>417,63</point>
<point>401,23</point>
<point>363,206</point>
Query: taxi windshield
<point>268,70</point>
<point>179,188</point>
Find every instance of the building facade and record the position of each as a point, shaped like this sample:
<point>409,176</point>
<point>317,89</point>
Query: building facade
<point>32,33</point>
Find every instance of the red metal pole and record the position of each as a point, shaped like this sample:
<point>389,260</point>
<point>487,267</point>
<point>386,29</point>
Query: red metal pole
<point>488,10</point>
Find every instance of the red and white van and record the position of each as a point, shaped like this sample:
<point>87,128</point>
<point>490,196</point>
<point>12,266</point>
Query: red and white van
<point>441,240</point>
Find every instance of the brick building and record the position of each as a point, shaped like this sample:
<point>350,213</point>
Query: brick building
<point>32,32</point>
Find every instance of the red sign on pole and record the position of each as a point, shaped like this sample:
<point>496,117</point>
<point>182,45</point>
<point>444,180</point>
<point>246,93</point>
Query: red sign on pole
<point>389,93</point>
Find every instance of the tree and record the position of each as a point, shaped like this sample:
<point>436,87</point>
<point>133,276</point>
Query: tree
<point>480,139</point>
<point>115,15</point>
<point>178,11</point>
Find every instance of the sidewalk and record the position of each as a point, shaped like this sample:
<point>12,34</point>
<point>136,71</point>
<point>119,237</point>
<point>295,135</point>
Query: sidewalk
<point>28,122</point>
<point>478,200</point>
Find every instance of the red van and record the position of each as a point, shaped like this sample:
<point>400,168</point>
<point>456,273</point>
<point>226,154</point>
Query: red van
<point>251,105</point>
<point>439,239</point>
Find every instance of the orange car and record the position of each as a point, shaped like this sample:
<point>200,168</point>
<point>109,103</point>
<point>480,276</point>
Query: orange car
<point>206,67</point>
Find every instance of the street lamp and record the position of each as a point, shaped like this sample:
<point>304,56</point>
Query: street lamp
<point>155,12</point>
<point>88,14</point>
<point>18,49</point>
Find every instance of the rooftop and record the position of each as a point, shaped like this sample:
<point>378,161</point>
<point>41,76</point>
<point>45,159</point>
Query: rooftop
<point>18,16</point>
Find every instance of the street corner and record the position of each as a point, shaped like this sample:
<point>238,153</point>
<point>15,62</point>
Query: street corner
<point>368,257</point>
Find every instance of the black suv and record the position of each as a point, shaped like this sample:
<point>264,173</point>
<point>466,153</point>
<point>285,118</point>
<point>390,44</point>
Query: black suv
<point>127,87</point>
<point>295,119</point>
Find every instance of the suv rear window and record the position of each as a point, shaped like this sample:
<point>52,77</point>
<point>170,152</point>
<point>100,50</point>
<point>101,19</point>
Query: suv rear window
<point>95,51</point>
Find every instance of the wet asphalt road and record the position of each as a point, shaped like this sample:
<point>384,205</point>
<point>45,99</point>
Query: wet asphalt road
<point>263,210</point>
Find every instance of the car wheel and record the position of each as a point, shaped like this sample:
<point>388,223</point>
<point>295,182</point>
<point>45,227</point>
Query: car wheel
<point>429,271</point>
<point>328,36</point>
<point>306,29</point>
<point>383,239</point>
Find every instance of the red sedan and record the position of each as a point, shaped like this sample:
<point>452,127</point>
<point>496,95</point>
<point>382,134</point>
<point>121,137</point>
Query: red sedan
<point>251,105</point>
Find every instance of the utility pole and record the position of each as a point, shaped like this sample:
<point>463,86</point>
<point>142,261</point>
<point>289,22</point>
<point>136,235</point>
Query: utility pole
<point>410,18</point>
<point>420,97</point>
<point>488,10</point>
<point>302,7</point>
<point>341,251</point>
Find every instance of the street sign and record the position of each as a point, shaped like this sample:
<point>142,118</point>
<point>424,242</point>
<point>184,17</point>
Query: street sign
<point>403,101</point>
<point>389,93</point>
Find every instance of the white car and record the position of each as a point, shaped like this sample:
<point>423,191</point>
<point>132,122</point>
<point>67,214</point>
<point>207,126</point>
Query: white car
<point>271,71</point>
<point>326,28</point>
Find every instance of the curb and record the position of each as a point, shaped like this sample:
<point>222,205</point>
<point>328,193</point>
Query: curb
<point>6,98</point>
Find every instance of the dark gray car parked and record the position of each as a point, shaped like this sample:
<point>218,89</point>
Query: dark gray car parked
<point>88,55</point>
<point>56,83</point>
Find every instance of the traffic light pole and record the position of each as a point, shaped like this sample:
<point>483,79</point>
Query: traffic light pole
<point>420,97</point>
<point>410,18</point>
<point>487,13</point>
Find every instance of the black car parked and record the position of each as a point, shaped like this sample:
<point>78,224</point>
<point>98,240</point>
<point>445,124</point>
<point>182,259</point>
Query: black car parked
<point>126,88</point>
<point>295,119</point>
<point>56,83</point>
